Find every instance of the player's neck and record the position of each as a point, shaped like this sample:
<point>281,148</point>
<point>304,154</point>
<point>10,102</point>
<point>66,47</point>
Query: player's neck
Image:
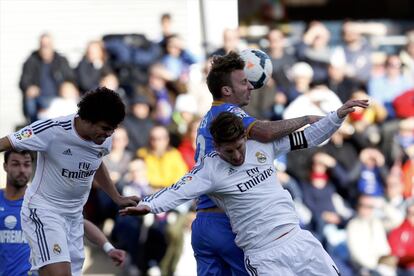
<point>230,100</point>
<point>80,128</point>
<point>13,193</point>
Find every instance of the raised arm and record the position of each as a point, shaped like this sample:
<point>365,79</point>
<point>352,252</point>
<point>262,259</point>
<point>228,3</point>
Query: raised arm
<point>105,183</point>
<point>268,131</point>
<point>323,130</point>
<point>317,132</point>
<point>5,144</point>
<point>190,186</point>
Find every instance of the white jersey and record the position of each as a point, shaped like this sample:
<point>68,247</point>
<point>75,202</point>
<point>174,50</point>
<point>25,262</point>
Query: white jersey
<point>259,208</point>
<point>66,164</point>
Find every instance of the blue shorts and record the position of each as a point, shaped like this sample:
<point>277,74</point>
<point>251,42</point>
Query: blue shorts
<point>214,248</point>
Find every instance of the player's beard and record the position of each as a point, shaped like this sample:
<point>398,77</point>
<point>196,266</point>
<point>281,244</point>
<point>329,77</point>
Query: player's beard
<point>20,181</point>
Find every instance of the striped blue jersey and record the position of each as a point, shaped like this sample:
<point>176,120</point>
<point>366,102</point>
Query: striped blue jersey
<point>204,140</point>
<point>66,164</point>
<point>14,249</point>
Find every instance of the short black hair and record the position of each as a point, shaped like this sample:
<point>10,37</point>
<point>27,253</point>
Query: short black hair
<point>220,72</point>
<point>102,104</point>
<point>227,127</point>
<point>23,152</point>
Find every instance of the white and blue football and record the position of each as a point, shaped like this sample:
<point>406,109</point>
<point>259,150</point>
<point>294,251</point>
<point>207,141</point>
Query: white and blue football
<point>258,67</point>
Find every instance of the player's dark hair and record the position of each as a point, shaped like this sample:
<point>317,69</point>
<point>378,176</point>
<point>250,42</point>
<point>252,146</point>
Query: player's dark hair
<point>23,152</point>
<point>227,127</point>
<point>220,72</point>
<point>102,104</point>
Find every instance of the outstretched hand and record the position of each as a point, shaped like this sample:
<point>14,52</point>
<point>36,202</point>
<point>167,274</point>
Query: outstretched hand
<point>124,201</point>
<point>349,107</point>
<point>138,210</point>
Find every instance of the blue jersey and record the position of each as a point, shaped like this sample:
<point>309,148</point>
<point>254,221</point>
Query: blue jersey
<point>14,249</point>
<point>205,142</point>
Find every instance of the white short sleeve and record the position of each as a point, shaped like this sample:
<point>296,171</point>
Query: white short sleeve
<point>35,137</point>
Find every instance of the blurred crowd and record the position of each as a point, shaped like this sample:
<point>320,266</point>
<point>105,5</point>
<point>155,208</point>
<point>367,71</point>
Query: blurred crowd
<point>355,192</point>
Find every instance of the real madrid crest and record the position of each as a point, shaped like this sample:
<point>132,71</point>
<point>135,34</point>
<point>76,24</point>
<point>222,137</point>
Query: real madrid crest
<point>261,157</point>
<point>56,249</point>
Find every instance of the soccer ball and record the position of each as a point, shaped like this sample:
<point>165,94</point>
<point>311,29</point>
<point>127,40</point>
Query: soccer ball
<point>258,67</point>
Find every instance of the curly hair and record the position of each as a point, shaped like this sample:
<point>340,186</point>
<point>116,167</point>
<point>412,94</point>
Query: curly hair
<point>102,104</point>
<point>220,72</point>
<point>227,127</point>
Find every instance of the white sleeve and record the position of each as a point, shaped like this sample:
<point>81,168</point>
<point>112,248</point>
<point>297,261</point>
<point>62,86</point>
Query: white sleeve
<point>195,183</point>
<point>35,137</point>
<point>311,136</point>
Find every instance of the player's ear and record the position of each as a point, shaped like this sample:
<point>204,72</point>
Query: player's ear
<point>226,90</point>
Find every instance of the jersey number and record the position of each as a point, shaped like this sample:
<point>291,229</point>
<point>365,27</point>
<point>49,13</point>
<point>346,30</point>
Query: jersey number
<point>201,147</point>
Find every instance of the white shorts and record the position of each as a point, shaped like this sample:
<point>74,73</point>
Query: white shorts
<point>296,253</point>
<point>53,238</point>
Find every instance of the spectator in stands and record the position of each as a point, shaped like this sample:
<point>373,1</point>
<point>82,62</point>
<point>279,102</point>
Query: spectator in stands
<point>365,122</point>
<point>366,237</point>
<point>372,172</point>
<point>65,104</point>
<point>100,207</point>
<point>231,42</point>
<point>187,146</point>
<point>338,82</point>
<point>407,56</point>
<point>166,28</point>
<point>130,55</point>
<point>138,123</point>
<point>43,72</point>
<point>282,57</point>
<point>118,159</point>
<point>386,88</point>
<point>402,139</point>
<point>401,240</point>
<point>184,112</point>
<point>408,172</point>
<point>404,104</point>
<point>301,75</point>
<point>165,166</point>
<point>341,148</point>
<point>377,66</point>
<point>316,101</point>
<point>357,52</point>
<point>164,163</point>
<point>110,80</point>
<point>92,66</point>
<point>393,208</point>
<point>135,182</point>
<point>177,59</point>
<point>320,196</point>
<point>198,88</point>
<point>314,49</point>
<point>161,93</point>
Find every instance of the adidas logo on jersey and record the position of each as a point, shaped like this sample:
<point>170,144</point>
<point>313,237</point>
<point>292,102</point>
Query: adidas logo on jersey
<point>67,152</point>
<point>231,171</point>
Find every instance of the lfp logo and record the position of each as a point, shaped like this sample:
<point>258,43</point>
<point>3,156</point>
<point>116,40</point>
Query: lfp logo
<point>23,134</point>
<point>26,133</point>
